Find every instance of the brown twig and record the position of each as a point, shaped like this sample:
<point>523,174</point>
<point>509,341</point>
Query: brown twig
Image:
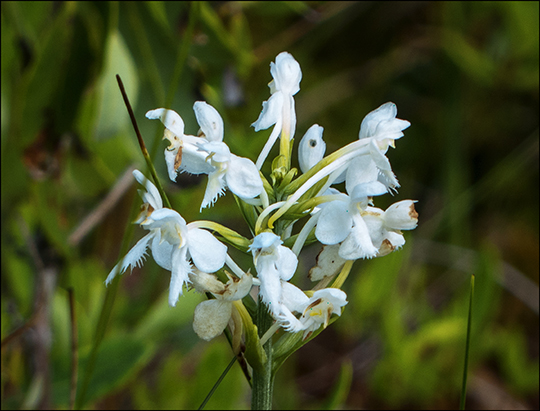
<point>98,213</point>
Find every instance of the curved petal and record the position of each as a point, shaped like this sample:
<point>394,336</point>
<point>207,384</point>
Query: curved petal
<point>286,73</point>
<point>334,223</point>
<point>293,297</point>
<point>373,217</point>
<point>401,215</point>
<point>214,188</point>
<point>170,119</point>
<point>271,112</point>
<point>311,148</point>
<point>162,253</point>
<point>286,263</point>
<point>358,244</point>
<point>270,289</point>
<point>211,317</point>
<point>243,178</point>
<point>361,169</point>
<point>335,296</point>
<point>207,253</point>
<point>133,258</point>
<point>179,274</point>
<point>152,195</point>
<point>328,263</point>
<point>370,122</point>
<point>209,120</point>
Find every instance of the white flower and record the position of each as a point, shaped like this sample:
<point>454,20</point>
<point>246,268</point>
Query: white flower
<point>173,243</point>
<point>207,154</point>
<point>383,128</point>
<point>239,174</point>
<point>341,221</point>
<point>385,226</point>
<point>279,109</point>
<point>183,152</point>
<point>316,311</point>
<point>275,265</point>
<point>311,148</point>
<point>212,316</point>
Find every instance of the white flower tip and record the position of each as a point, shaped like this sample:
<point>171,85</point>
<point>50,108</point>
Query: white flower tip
<point>209,120</point>
<point>286,73</point>
<point>312,148</point>
<point>170,119</point>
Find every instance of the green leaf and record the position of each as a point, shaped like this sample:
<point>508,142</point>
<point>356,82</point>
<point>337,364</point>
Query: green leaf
<point>112,117</point>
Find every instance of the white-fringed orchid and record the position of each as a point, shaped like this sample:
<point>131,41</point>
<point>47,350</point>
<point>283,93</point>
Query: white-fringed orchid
<point>173,243</point>
<point>207,154</point>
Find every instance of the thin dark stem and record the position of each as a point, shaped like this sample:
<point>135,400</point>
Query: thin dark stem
<point>467,349</point>
<point>74,350</point>
<point>131,115</point>
<point>217,383</point>
<point>141,143</point>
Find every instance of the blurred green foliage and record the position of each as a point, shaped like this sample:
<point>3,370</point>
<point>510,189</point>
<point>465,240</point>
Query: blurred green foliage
<point>465,74</point>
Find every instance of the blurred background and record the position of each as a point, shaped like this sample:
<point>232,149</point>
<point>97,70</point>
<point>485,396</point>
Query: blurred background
<point>465,74</point>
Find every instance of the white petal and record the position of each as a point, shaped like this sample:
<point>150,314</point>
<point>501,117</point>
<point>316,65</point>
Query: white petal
<point>370,122</point>
<point>358,244</point>
<point>401,215</point>
<point>207,253</point>
<point>243,178</point>
<point>170,119</point>
<point>334,223</point>
<point>329,263</point>
<point>364,190</point>
<point>214,188</point>
<point>238,289</point>
<point>179,274</point>
<point>265,240</point>
<point>152,195</point>
<point>373,217</point>
<point>133,258</point>
<point>270,289</point>
<point>286,263</point>
<point>362,169</point>
<point>271,112</point>
<point>162,253</point>
<point>209,120</point>
<point>211,318</point>
<point>286,73</point>
<point>290,323</point>
<point>293,297</point>
<point>335,296</point>
<point>311,148</point>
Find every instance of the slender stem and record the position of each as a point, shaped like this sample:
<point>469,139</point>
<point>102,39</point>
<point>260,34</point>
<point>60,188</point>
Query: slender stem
<point>141,143</point>
<point>216,385</point>
<point>467,345</point>
<point>263,382</point>
<point>74,349</point>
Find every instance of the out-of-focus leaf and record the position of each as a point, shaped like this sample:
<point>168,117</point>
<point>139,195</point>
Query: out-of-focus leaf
<point>111,108</point>
<point>162,318</point>
<point>341,389</point>
<point>118,360</point>
<point>470,59</point>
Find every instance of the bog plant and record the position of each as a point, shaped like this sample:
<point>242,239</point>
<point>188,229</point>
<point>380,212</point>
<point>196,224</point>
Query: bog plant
<point>285,211</point>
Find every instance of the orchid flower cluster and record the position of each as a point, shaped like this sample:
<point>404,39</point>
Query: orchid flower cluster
<point>347,224</point>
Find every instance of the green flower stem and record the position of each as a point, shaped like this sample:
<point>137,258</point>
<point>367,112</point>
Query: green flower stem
<point>263,380</point>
